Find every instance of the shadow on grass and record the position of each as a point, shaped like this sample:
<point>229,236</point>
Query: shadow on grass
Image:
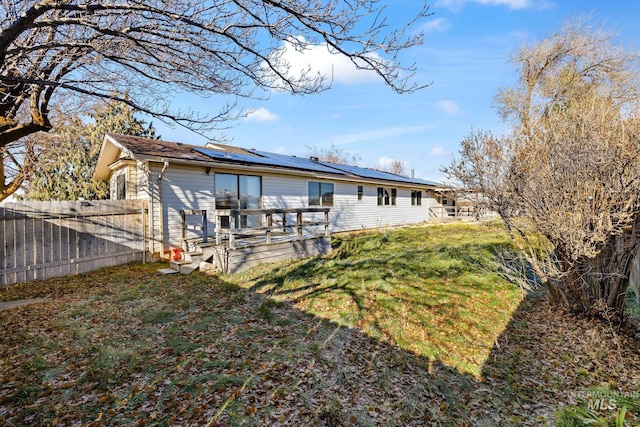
<point>543,361</point>
<point>146,349</point>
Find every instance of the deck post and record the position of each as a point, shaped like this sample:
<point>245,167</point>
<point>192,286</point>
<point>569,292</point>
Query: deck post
<point>204,226</point>
<point>183,217</point>
<point>218,229</point>
<point>326,223</point>
<point>299,221</point>
<point>269,218</point>
<point>232,227</point>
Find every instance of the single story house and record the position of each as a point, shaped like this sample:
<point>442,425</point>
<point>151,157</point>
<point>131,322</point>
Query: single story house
<point>175,177</point>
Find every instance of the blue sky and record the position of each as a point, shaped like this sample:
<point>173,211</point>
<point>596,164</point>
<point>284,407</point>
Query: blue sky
<point>465,55</point>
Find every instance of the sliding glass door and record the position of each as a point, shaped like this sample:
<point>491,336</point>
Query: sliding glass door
<point>249,198</point>
<point>239,191</point>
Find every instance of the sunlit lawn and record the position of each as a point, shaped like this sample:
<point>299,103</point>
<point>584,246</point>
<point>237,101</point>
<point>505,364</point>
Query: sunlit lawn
<point>435,290</point>
<point>410,326</point>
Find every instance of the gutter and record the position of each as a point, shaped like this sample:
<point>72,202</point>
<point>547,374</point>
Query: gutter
<point>344,177</point>
<point>160,206</point>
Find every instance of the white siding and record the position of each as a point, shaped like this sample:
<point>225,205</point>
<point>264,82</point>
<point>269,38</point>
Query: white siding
<point>279,191</point>
<point>113,184</point>
<point>184,188</point>
<point>155,209</point>
<point>347,212</point>
<point>131,182</point>
<point>142,179</point>
<point>350,214</point>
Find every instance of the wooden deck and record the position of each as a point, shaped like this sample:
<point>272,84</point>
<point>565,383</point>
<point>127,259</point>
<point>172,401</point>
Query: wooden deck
<point>267,235</point>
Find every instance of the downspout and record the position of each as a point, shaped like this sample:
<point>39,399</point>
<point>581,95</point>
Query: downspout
<point>161,207</point>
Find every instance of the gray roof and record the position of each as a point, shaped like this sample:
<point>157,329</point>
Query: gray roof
<point>303,163</point>
<point>376,174</point>
<point>237,155</point>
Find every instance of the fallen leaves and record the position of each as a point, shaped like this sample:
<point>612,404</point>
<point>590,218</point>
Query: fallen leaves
<point>188,350</point>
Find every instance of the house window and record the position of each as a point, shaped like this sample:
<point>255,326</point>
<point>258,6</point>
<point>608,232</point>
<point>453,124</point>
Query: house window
<point>226,191</point>
<point>387,196</point>
<point>121,187</point>
<point>416,198</point>
<point>360,192</point>
<point>320,193</point>
<point>239,192</point>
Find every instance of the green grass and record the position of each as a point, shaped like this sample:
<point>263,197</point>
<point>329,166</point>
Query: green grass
<point>593,403</point>
<point>632,307</point>
<point>437,291</point>
<point>413,326</point>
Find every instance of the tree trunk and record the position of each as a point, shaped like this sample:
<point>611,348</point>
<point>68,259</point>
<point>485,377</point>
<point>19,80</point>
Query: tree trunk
<point>597,286</point>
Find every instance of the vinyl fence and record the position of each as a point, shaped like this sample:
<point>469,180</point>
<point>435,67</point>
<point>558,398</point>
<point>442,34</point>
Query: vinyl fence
<point>39,240</point>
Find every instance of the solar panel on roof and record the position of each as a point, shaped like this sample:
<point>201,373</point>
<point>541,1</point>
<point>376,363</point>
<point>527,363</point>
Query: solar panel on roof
<point>270,159</point>
<point>224,155</point>
<point>297,162</point>
<point>375,174</point>
<point>301,163</point>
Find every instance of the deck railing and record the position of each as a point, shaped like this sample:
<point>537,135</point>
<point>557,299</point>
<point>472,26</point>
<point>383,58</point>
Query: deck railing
<point>269,224</point>
<point>457,212</point>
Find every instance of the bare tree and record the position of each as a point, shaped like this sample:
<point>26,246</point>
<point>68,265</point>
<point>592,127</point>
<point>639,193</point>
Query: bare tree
<point>334,155</point>
<point>397,167</point>
<point>154,50</point>
<point>18,160</point>
<point>566,179</point>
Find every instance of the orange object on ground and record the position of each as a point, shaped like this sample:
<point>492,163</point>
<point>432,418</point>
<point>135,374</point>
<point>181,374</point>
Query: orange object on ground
<point>176,254</point>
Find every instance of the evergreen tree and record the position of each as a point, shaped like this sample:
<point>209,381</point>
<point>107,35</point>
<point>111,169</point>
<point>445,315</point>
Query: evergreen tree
<point>69,153</point>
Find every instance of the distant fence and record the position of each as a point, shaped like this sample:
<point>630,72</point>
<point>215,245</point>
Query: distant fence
<point>458,212</point>
<point>39,240</point>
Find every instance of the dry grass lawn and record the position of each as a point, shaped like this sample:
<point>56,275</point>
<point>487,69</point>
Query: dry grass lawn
<point>414,326</point>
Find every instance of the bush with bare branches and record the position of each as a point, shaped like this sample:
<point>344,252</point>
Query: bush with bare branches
<point>566,178</point>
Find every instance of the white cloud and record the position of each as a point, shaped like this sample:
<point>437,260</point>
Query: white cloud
<point>438,151</point>
<point>261,115</point>
<point>279,150</point>
<point>447,106</point>
<point>511,4</point>
<point>384,163</point>
<point>439,25</point>
<point>317,60</point>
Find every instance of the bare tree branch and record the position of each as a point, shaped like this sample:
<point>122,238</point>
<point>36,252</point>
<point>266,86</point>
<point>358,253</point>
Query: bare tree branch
<point>569,171</point>
<point>154,50</point>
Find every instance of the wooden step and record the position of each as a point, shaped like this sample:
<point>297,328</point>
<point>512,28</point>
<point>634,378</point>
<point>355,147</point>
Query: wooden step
<point>194,260</point>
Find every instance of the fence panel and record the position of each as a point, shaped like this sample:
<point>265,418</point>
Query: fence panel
<point>47,239</point>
